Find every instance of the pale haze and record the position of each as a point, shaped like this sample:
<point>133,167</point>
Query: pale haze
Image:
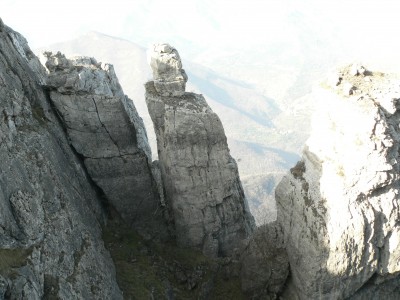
<point>368,27</point>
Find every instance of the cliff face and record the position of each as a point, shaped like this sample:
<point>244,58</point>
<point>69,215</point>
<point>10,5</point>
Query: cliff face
<point>200,177</point>
<point>339,207</point>
<point>50,215</point>
<point>71,139</point>
<point>105,129</point>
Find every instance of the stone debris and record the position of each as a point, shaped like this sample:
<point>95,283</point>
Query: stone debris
<point>169,77</point>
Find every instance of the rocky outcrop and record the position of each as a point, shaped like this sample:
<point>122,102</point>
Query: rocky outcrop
<point>50,214</point>
<point>201,180</point>
<point>339,206</point>
<point>169,77</point>
<point>105,129</point>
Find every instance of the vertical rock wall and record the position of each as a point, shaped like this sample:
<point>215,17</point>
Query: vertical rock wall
<point>105,129</point>
<point>339,206</point>
<point>201,179</point>
<point>50,215</point>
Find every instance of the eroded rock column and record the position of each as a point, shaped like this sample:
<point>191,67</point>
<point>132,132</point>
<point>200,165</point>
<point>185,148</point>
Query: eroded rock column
<point>200,177</point>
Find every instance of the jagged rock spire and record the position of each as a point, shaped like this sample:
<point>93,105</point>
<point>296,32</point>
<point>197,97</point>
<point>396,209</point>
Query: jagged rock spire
<point>169,77</point>
<point>201,179</point>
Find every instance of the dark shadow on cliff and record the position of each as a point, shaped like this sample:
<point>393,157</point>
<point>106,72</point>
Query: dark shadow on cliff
<point>147,269</point>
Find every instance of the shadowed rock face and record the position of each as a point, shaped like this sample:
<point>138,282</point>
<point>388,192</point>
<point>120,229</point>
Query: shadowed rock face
<point>50,215</point>
<point>200,177</point>
<point>339,207</point>
<point>264,263</point>
<point>104,127</point>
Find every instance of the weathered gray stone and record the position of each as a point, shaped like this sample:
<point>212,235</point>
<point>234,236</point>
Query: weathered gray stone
<point>339,207</point>
<point>264,263</point>
<point>105,129</point>
<point>169,77</point>
<point>50,215</point>
<point>201,179</point>
<point>378,288</point>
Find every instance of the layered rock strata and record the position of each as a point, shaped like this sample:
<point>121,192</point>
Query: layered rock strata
<point>339,206</point>
<point>105,129</point>
<point>50,214</point>
<point>201,179</point>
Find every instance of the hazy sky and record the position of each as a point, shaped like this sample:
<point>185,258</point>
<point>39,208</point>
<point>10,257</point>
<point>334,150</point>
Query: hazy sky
<point>367,28</point>
<point>205,21</point>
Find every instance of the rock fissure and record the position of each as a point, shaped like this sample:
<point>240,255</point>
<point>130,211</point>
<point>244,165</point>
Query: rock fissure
<point>105,128</point>
<point>62,123</point>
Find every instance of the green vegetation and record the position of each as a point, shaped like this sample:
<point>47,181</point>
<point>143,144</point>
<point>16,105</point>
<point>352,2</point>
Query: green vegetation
<point>228,289</point>
<point>151,270</point>
<point>12,258</point>
<point>39,115</point>
<point>135,272</point>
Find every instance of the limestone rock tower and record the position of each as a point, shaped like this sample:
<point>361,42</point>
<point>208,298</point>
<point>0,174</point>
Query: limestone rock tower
<point>201,179</point>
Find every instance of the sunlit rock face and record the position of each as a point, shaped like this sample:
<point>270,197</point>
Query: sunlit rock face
<point>105,129</point>
<point>200,177</point>
<point>169,77</point>
<point>339,206</point>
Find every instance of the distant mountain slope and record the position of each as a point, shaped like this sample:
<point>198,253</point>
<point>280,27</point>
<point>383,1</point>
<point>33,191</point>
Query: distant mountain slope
<point>250,119</point>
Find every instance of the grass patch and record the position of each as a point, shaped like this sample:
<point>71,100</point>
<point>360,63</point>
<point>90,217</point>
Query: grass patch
<point>39,115</point>
<point>12,258</point>
<point>152,270</point>
<point>187,257</point>
<point>135,274</point>
<point>228,289</point>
